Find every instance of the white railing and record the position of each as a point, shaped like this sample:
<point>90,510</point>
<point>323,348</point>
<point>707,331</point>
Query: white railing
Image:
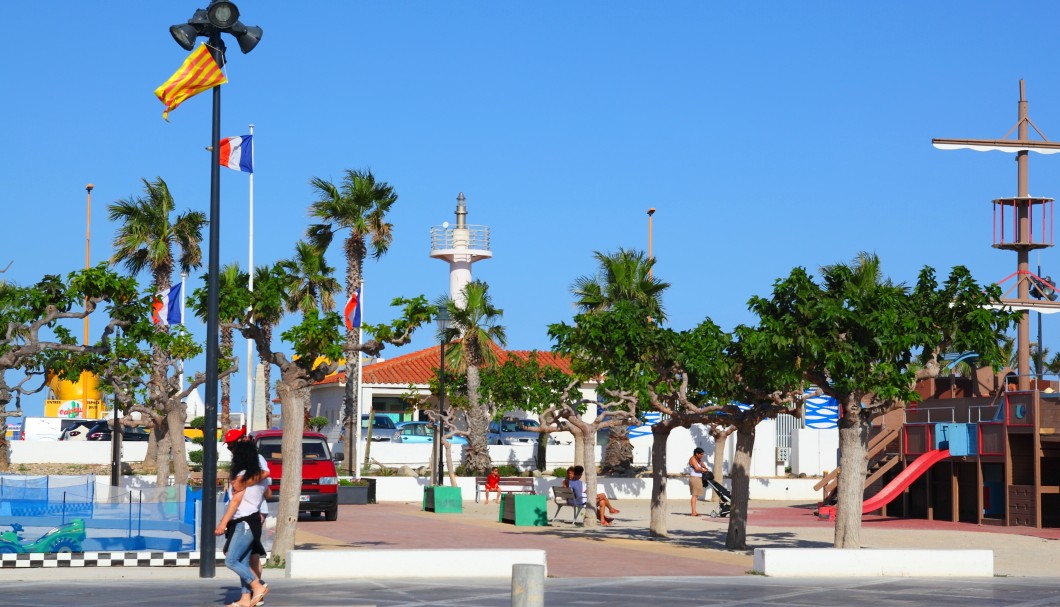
<point>470,237</point>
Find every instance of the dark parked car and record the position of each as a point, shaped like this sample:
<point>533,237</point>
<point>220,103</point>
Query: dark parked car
<point>102,431</point>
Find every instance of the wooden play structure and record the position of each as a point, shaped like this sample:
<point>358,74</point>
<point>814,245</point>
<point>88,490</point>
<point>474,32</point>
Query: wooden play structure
<point>984,449</point>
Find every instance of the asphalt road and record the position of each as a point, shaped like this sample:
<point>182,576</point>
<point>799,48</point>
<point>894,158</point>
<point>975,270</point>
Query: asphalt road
<point>183,588</point>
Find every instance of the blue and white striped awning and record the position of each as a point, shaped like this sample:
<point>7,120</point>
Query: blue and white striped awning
<point>648,419</point>
<point>821,412</point>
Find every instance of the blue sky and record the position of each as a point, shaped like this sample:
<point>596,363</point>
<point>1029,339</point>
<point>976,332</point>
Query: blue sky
<point>767,135</point>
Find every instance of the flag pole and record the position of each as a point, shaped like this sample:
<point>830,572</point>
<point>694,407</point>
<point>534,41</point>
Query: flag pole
<point>360,403</point>
<point>250,270</point>
<point>183,300</point>
<point>88,256</point>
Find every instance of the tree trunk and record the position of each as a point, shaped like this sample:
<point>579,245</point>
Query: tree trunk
<point>658,527</point>
<point>165,452</point>
<point>476,452</point>
<point>175,422</point>
<point>226,384</point>
<point>351,408</point>
<point>589,457</point>
<point>579,446</point>
<point>5,457</point>
<point>618,454</point>
<point>736,538</point>
<point>293,401</point>
<point>355,251</point>
<point>266,369</point>
<point>449,463</point>
<point>718,465</point>
<point>541,453</point>
<point>853,446</point>
<point>153,447</point>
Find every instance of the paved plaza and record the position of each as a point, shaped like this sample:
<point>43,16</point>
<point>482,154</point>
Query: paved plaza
<point>618,565</point>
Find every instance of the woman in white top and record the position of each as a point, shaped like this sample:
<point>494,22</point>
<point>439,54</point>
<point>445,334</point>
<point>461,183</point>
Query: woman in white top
<point>242,521</point>
<point>696,468</point>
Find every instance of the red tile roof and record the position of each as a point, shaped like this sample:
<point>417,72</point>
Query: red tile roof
<point>420,366</point>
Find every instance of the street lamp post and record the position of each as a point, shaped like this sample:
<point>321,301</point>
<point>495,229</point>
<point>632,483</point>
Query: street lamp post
<point>220,17</point>
<point>1041,288</point>
<point>443,328</point>
<point>651,212</point>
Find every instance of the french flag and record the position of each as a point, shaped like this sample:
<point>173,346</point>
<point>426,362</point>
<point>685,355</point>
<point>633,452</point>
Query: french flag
<point>352,313</point>
<point>166,308</point>
<point>237,153</point>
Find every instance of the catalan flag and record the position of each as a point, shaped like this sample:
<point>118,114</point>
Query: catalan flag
<point>198,73</point>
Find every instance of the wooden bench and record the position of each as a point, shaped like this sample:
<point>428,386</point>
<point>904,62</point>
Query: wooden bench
<point>564,496</point>
<point>508,484</point>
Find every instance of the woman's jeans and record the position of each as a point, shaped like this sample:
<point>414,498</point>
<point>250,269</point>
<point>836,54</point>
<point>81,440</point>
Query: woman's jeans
<point>238,557</point>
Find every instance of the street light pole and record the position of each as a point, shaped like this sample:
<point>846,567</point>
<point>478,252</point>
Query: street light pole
<point>443,326</point>
<point>207,564</point>
<point>651,212</point>
<point>219,17</point>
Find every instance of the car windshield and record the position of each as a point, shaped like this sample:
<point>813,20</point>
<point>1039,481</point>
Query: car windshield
<point>380,421</point>
<point>313,449</point>
<point>518,425</point>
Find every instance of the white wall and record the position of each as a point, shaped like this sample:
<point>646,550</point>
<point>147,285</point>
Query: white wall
<point>85,452</point>
<point>410,489</point>
<point>814,451</point>
<point>764,456</point>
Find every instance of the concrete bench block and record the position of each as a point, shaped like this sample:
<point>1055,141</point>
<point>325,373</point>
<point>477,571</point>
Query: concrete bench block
<point>371,563</point>
<point>835,562</point>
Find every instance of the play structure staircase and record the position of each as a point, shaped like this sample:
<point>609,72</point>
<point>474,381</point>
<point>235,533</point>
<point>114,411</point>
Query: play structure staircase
<point>882,455</point>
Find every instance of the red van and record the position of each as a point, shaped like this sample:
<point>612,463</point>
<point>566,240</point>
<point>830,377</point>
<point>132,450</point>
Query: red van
<point>320,480</point>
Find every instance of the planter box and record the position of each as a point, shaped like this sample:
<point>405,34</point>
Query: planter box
<point>442,499</point>
<point>357,494</point>
<point>524,510</point>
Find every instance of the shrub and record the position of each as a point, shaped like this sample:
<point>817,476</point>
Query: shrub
<point>197,423</point>
<point>509,470</point>
<point>560,472</point>
<point>195,456</point>
<point>197,440</point>
<point>317,423</point>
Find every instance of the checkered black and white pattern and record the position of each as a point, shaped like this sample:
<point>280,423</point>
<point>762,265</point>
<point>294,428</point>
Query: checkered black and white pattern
<point>105,559</point>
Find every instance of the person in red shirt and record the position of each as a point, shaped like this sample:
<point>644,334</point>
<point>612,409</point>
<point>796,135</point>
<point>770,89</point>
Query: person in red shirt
<point>493,483</point>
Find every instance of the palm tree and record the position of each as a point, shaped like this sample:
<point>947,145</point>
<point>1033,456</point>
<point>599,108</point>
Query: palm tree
<point>476,326</point>
<point>146,236</point>
<point>232,303</point>
<point>854,286</point>
<point>267,307</point>
<point>145,241</point>
<point>310,284</point>
<point>622,276</point>
<point>359,204</point>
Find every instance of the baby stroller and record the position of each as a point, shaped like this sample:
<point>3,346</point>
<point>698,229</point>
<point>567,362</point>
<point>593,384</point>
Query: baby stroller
<point>723,495</point>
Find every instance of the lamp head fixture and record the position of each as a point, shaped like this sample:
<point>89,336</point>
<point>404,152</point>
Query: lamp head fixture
<point>443,319</point>
<point>651,211</point>
<point>220,17</point>
<point>222,14</point>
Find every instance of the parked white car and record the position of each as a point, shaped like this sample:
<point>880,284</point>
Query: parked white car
<point>50,428</point>
<point>515,432</point>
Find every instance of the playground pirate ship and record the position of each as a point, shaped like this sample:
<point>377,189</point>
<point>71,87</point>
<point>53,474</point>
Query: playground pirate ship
<point>984,449</point>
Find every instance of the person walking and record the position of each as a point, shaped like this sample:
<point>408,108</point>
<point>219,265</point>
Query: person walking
<point>696,468</point>
<point>240,435</point>
<point>241,522</point>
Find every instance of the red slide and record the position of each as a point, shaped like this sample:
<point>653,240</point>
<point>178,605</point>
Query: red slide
<point>897,485</point>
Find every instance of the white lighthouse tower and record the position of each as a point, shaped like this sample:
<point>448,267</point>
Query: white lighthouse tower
<point>461,245</point>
